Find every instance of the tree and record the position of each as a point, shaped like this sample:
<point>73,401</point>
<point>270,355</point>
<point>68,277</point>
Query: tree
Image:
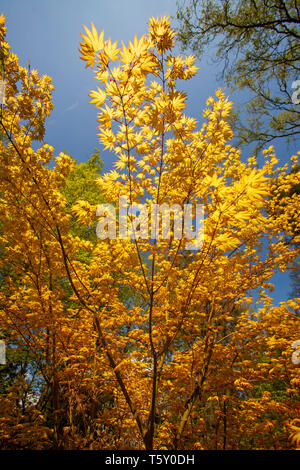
<point>22,371</point>
<point>167,161</point>
<point>35,295</point>
<point>178,356</point>
<point>258,45</point>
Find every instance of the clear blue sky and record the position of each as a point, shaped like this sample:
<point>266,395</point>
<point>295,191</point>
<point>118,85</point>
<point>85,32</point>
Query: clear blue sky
<point>47,33</point>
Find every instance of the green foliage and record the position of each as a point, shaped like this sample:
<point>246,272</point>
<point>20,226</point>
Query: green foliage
<point>81,185</point>
<point>258,45</point>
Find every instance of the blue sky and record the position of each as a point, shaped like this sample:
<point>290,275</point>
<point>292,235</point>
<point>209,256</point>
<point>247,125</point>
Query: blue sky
<point>48,33</point>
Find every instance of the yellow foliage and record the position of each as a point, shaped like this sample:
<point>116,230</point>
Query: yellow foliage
<point>142,343</point>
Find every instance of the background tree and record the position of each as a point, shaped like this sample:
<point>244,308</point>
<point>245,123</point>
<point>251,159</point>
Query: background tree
<point>81,185</point>
<point>258,45</point>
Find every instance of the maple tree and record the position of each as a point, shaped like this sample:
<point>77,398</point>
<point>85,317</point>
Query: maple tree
<point>144,343</point>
